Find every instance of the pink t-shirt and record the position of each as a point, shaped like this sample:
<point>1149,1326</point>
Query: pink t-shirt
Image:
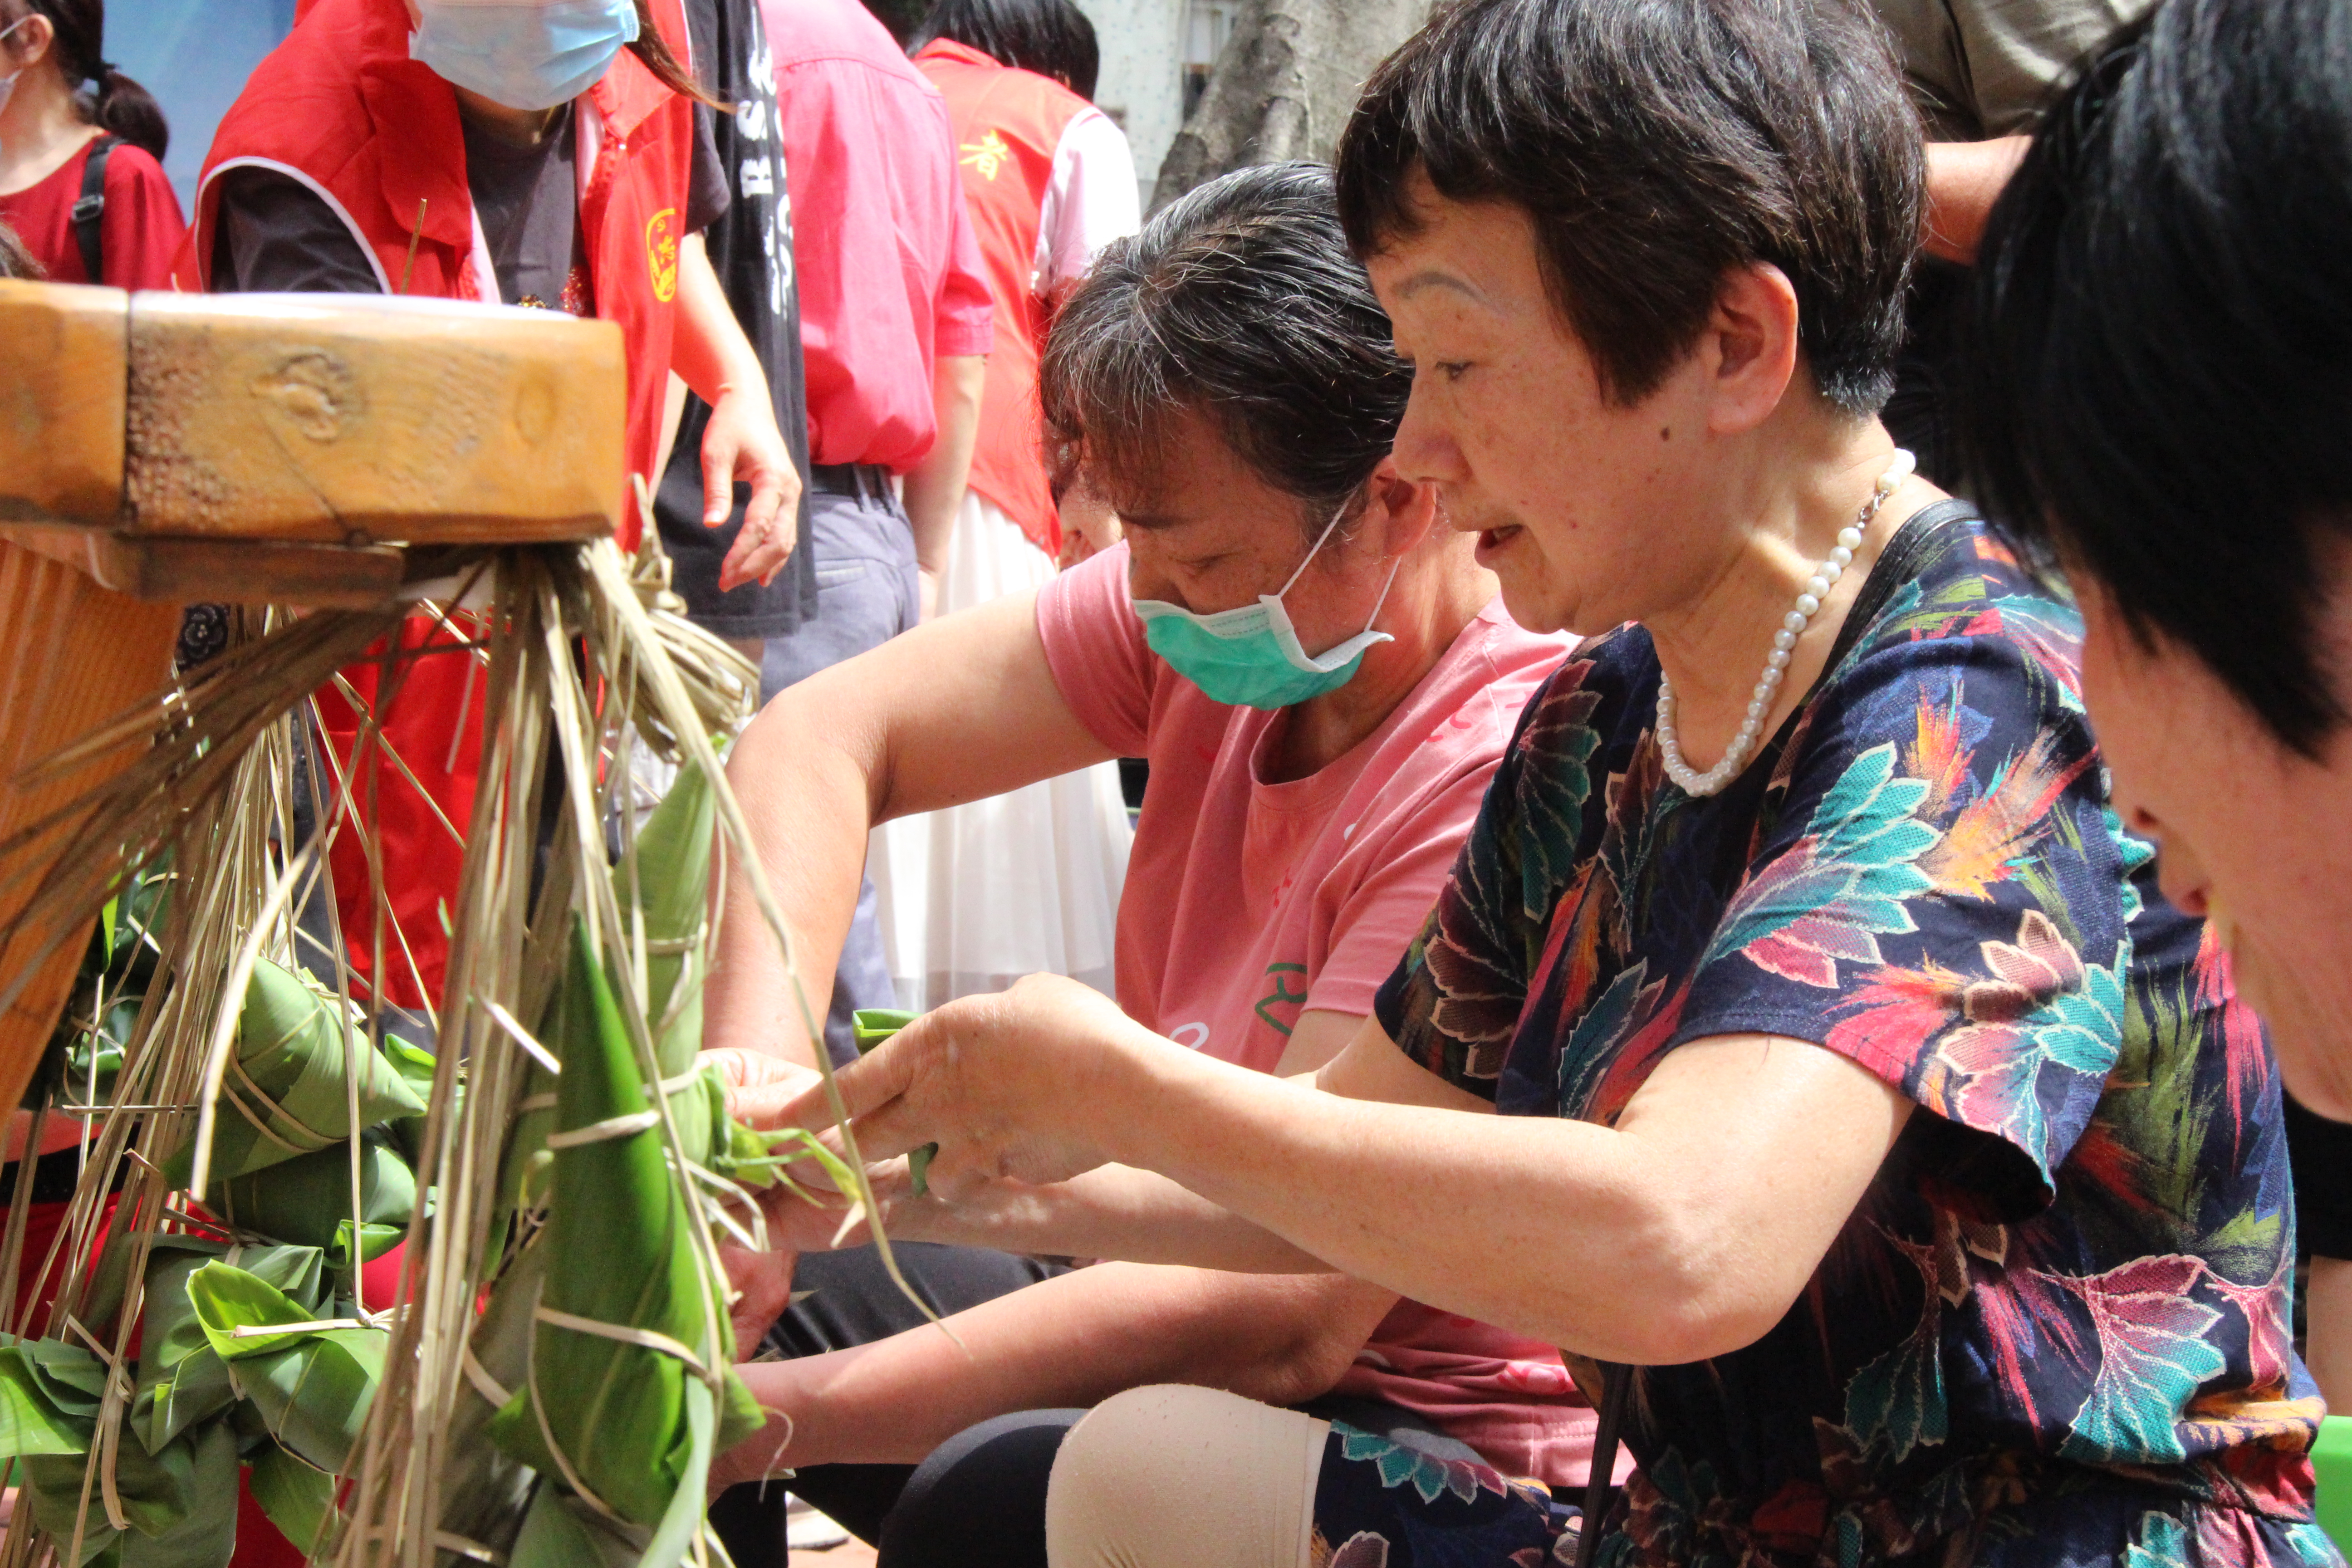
<point>1248,903</point>
<point>889,267</point>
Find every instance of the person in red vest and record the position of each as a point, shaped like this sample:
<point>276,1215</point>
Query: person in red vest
<point>532,154</point>
<point>975,896</point>
<point>80,143</point>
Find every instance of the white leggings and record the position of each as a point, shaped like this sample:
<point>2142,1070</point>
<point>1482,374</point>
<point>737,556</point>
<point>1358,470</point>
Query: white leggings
<point>1174,1477</point>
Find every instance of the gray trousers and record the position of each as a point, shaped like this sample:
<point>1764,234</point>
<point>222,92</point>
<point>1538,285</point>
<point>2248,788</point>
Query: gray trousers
<point>867,593</point>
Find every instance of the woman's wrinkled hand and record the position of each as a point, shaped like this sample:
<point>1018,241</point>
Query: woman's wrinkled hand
<point>1009,1086</point>
<point>742,445</point>
<point>759,1286</point>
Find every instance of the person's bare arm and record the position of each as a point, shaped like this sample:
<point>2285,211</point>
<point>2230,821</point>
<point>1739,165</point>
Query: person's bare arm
<point>1964,179</point>
<point>1075,1340</point>
<point>709,352</point>
<point>935,486</point>
<point>1115,1211</point>
<point>2328,1349</point>
<point>1684,1231</point>
<point>963,708</point>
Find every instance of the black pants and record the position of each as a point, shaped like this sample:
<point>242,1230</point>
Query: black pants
<point>978,1499</point>
<point>904,1509</point>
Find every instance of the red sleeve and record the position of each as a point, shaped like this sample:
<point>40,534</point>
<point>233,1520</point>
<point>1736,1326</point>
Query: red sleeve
<point>140,232</point>
<point>1095,648</point>
<point>967,311</point>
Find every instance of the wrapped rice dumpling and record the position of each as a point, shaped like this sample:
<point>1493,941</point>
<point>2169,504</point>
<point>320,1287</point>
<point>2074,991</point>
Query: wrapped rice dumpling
<point>669,892</point>
<point>284,1095</point>
<point>634,1424</point>
<point>308,1201</point>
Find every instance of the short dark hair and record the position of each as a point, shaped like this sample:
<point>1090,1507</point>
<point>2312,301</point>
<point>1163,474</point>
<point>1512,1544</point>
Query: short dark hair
<point>1242,304</point>
<point>2160,381</point>
<point>1657,144</point>
<point>1052,38</point>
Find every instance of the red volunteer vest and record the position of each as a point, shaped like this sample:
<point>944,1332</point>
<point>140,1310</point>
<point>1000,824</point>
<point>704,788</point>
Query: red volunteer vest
<point>1008,124</point>
<point>341,107</point>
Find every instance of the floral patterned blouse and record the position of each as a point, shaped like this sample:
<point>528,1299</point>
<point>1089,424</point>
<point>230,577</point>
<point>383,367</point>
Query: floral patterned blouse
<point>2055,1329</point>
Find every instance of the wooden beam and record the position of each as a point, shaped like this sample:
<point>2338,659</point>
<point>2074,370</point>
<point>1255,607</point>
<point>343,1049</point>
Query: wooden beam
<point>372,421</point>
<point>63,373</point>
<point>223,570</point>
<point>73,655</point>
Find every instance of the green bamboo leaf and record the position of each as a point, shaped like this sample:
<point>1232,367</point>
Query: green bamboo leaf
<point>673,887</point>
<point>308,1201</point>
<point>290,1049</point>
<point>312,1387</point>
<point>561,1531</point>
<point>198,1521</point>
<point>300,1498</point>
<point>414,1065</point>
<point>49,1397</point>
<point>181,1504</point>
<point>181,1381</point>
<point>620,1251</point>
<point>870,1026</point>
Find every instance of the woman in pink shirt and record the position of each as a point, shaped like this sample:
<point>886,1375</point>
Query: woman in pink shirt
<point>1228,382</point>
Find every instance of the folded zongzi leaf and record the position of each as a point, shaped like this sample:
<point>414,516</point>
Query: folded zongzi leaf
<point>49,1395</point>
<point>621,1253</point>
<point>284,1094</point>
<point>181,1504</point>
<point>311,1386</point>
<point>673,887</point>
<point>308,1201</point>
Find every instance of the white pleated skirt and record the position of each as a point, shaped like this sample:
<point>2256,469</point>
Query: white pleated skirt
<point>976,896</point>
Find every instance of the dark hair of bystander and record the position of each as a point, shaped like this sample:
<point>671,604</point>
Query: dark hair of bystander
<point>2159,391</point>
<point>1051,38</point>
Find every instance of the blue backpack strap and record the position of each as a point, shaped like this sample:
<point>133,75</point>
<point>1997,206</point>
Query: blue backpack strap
<point>90,209</point>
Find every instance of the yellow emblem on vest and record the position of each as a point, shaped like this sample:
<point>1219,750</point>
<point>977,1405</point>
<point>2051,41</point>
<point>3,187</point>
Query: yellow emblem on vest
<point>661,254</point>
<point>989,154</point>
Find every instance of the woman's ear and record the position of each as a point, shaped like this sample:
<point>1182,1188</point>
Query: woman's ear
<point>1409,507</point>
<point>29,45</point>
<point>1749,347</point>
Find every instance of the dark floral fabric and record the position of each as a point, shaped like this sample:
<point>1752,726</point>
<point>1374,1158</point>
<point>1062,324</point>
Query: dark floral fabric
<point>2056,1328</point>
<point>1383,1503</point>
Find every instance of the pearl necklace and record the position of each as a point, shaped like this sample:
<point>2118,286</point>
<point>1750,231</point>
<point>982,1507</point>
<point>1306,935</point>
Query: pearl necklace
<point>1792,627</point>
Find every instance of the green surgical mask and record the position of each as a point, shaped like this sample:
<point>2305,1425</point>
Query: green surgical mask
<point>1251,657</point>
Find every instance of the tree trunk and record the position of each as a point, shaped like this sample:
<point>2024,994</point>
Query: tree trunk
<point>1283,85</point>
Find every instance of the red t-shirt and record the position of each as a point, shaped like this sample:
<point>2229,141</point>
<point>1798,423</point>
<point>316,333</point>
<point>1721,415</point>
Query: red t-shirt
<point>138,235</point>
<point>889,272</point>
<point>1248,903</point>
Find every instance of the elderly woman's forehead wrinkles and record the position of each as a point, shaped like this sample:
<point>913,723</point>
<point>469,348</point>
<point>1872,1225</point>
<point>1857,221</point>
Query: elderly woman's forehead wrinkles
<point>1430,278</point>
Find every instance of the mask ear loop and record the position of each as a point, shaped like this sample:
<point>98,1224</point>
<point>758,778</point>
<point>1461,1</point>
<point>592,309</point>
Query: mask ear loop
<point>1319,540</point>
<point>1383,599</point>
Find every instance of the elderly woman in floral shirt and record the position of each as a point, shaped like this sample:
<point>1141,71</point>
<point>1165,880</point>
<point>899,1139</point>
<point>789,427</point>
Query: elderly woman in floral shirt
<point>1870,1129</point>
